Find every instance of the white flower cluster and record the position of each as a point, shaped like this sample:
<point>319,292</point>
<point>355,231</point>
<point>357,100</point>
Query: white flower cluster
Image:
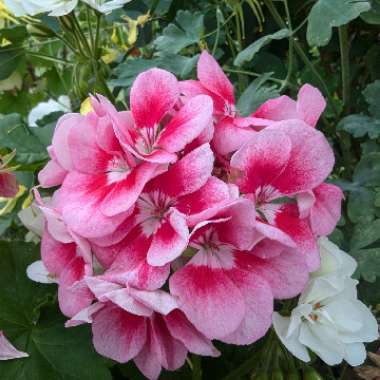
<point>58,7</point>
<point>329,319</point>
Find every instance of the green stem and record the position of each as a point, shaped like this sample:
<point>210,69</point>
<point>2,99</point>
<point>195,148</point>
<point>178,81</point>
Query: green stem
<point>97,33</point>
<point>49,58</point>
<point>345,64</point>
<point>197,368</point>
<point>291,49</point>
<point>92,40</point>
<point>218,16</point>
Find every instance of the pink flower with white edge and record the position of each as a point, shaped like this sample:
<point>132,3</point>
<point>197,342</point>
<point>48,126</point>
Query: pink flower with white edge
<point>8,351</point>
<point>231,130</point>
<point>308,107</point>
<point>145,326</point>
<point>278,163</point>
<point>159,226</point>
<point>226,292</point>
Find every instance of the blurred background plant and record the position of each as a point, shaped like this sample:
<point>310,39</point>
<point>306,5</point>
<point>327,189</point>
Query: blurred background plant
<point>49,65</point>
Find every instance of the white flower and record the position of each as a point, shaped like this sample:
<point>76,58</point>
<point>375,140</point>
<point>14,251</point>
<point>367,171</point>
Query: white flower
<point>37,272</point>
<point>329,319</point>
<point>106,6</point>
<point>45,108</point>
<point>33,7</point>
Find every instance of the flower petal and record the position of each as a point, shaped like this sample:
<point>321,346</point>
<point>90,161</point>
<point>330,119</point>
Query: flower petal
<point>8,351</point>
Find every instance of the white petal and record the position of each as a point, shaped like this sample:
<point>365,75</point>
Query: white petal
<point>37,272</point>
<point>324,341</point>
<point>32,218</point>
<point>85,315</point>
<point>281,326</point>
<point>8,351</point>
<point>355,354</point>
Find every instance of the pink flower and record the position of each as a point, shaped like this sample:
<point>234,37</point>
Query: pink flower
<point>140,325</point>
<point>283,160</point>
<point>159,231</point>
<point>231,131</point>
<point>8,351</point>
<point>226,292</point>
<point>309,106</point>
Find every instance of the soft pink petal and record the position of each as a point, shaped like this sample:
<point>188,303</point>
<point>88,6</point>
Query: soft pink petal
<point>8,351</point>
<point>188,174</point>
<point>210,300</point>
<point>153,95</point>
<point>213,78</point>
<point>287,274</point>
<point>8,185</point>
<point>288,220</point>
<point>311,158</point>
<point>52,174</point>
<point>326,211</point>
<point>186,125</point>
<point>180,328</point>
<point>228,137</point>
<point>123,194</point>
<point>169,241</point>
<point>81,197</point>
<point>305,202</point>
<point>118,335</point>
<point>205,202</point>
<point>267,248</point>
<point>259,308</point>
<point>278,109</point>
<point>261,161</point>
<point>310,104</point>
<point>85,315</point>
<point>73,293</point>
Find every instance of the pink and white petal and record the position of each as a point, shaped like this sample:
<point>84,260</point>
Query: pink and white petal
<point>73,293</point>
<point>81,198</point>
<point>311,158</point>
<point>101,287</point>
<point>259,308</point>
<point>210,300</point>
<point>261,161</point>
<point>85,315</point>
<point>279,272</point>
<point>172,352</point>
<point>305,202</point>
<point>281,108</point>
<point>169,241</point>
<point>131,267</point>
<point>186,124</point>
<point>205,202</point>
<point>326,212</point>
<point>117,334</point>
<point>310,104</point>
<point>157,300</point>
<point>211,76</point>
<point>267,249</point>
<point>188,174</point>
<point>55,255</point>
<point>251,121</point>
<point>153,94</point>
<point>8,185</point>
<point>124,193</point>
<point>86,155</point>
<point>275,234</point>
<point>38,272</point>
<point>8,351</point>
<point>181,329</point>
<point>288,220</point>
<point>60,142</point>
<point>228,137</point>
<point>53,174</point>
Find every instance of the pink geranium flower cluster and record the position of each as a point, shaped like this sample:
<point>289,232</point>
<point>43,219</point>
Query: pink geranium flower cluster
<point>179,222</point>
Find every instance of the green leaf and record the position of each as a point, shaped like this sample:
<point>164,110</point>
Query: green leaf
<point>368,263</point>
<point>15,135</point>
<point>54,352</point>
<point>360,206</point>
<point>365,235</point>
<point>372,16</point>
<point>127,72</point>
<point>327,14</point>
<point>372,96</point>
<point>185,31</point>
<point>360,125</point>
<point>255,94</point>
<point>367,171</point>
<point>13,54</point>
<point>249,52</point>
